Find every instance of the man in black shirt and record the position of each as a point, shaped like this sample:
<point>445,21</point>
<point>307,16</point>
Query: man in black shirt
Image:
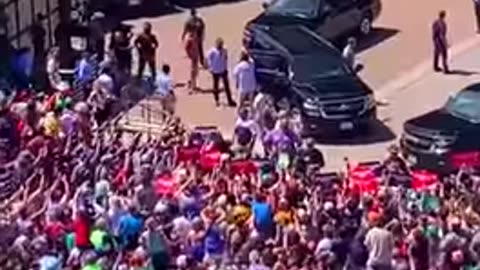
<point>96,42</point>
<point>309,158</point>
<point>146,44</point>
<point>120,45</point>
<point>38,33</point>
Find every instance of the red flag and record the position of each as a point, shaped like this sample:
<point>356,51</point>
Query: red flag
<point>165,185</point>
<point>466,159</point>
<point>422,180</point>
<point>363,179</point>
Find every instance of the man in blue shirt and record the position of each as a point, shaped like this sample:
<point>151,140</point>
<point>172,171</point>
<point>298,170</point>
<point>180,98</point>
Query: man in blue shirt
<point>262,217</point>
<point>164,89</point>
<point>85,73</point>
<point>214,243</point>
<point>129,228</point>
<point>163,82</point>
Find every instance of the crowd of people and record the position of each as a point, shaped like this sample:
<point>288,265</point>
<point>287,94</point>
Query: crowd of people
<point>76,197</point>
<point>76,193</point>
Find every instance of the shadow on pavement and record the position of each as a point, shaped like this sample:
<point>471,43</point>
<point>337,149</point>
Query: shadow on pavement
<point>152,8</point>
<point>378,35</point>
<point>201,3</point>
<point>147,10</point>
<point>207,90</point>
<point>377,133</point>
<point>462,72</point>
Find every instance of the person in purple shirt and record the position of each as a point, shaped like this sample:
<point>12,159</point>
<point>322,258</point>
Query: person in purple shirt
<point>440,43</point>
<point>281,139</point>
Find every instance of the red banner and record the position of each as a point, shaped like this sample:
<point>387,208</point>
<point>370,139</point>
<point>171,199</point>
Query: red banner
<point>188,154</point>
<point>243,167</point>
<point>363,179</point>
<point>465,159</point>
<point>422,180</point>
<point>210,160</point>
<point>165,185</point>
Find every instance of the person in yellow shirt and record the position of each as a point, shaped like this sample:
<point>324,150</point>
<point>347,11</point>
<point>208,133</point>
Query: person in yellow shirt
<point>51,124</point>
<point>241,212</point>
<point>284,215</point>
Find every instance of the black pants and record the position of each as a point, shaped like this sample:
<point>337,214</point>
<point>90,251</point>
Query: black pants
<point>100,49</point>
<point>142,61</point>
<point>124,59</point>
<point>39,74</point>
<point>440,51</point>
<point>477,15</point>
<point>216,91</point>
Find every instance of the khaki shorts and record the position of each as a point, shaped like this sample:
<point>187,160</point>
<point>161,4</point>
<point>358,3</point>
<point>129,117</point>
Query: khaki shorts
<point>168,103</point>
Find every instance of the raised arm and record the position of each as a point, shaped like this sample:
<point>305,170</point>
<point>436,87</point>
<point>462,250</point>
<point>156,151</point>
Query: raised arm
<point>20,193</point>
<point>40,212</point>
<point>66,190</point>
<point>40,189</point>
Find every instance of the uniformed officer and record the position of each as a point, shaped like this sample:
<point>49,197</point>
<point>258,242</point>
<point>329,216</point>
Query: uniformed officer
<point>440,43</point>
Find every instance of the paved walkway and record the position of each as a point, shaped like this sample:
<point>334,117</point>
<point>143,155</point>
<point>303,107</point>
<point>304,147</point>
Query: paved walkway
<point>429,91</point>
<point>397,65</point>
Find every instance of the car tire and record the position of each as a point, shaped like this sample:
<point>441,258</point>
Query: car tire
<point>365,26</point>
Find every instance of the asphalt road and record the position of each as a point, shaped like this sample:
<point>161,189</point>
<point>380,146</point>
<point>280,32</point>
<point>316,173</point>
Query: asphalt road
<point>396,57</point>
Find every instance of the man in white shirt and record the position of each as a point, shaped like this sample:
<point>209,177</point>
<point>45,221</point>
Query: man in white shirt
<point>164,89</point>
<point>217,60</point>
<point>244,73</point>
<point>379,243</point>
<point>349,52</point>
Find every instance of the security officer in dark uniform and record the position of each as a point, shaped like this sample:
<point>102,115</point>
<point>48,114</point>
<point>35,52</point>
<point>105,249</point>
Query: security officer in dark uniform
<point>440,44</point>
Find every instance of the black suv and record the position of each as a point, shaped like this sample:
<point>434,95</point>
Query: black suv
<point>295,64</point>
<point>437,139</point>
<point>330,18</point>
